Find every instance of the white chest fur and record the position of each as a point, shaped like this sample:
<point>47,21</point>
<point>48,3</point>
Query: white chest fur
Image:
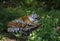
<point>31,19</point>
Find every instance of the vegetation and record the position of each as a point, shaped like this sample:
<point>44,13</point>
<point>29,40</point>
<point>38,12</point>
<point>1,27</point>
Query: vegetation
<point>47,10</point>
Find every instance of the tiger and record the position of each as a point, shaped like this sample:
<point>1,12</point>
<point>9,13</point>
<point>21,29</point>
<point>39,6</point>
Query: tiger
<point>24,23</point>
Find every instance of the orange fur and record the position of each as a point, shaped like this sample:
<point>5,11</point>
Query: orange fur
<point>25,19</point>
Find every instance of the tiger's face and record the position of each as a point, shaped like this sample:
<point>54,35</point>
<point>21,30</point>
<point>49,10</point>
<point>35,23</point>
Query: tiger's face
<point>34,17</point>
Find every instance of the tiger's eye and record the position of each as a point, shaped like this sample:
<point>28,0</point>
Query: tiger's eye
<point>36,18</point>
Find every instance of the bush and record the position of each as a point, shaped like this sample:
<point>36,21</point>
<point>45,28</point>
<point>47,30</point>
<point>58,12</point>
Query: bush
<point>46,31</point>
<point>45,4</point>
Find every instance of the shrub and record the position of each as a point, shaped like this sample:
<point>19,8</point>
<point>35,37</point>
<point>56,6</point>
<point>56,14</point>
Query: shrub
<point>46,31</point>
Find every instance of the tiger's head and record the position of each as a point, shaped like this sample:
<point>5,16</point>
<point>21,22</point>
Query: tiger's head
<point>34,17</point>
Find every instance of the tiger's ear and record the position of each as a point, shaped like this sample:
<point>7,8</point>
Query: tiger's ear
<point>33,12</point>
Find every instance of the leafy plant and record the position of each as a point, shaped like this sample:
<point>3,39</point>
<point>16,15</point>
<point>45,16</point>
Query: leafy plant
<point>46,31</point>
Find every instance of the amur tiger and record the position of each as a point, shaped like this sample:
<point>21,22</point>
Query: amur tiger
<point>24,23</point>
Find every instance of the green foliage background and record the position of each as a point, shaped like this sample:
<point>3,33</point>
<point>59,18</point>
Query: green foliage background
<point>48,11</point>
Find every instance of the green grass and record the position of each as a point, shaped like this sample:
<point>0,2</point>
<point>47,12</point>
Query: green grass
<point>48,21</point>
<point>46,31</point>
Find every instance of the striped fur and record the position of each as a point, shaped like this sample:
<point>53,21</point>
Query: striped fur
<point>23,23</point>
